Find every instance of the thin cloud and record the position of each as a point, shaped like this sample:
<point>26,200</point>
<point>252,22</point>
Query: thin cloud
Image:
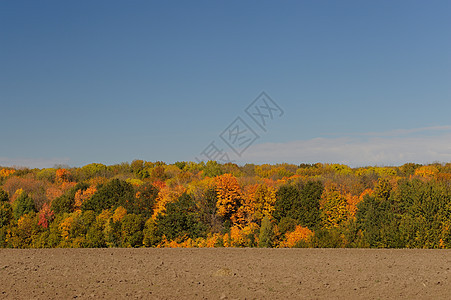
<point>398,132</point>
<point>33,162</point>
<point>389,148</point>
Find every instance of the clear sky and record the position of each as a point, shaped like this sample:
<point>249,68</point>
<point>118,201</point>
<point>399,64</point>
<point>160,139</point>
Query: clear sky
<point>359,82</point>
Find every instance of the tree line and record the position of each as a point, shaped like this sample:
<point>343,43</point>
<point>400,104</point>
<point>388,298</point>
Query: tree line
<point>187,204</point>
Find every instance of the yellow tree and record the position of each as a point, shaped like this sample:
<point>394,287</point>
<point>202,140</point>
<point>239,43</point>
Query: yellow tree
<point>427,171</point>
<point>229,196</point>
<point>352,202</point>
<point>67,224</point>
<point>63,175</point>
<point>334,207</point>
<point>119,214</point>
<point>81,196</point>
<point>6,172</point>
<point>259,201</point>
<point>166,195</point>
<point>296,237</point>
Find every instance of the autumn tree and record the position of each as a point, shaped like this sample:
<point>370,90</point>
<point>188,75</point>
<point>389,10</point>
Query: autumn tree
<point>151,236</point>
<point>63,175</point>
<point>157,173</point>
<point>259,202</point>
<point>46,215</point>
<point>137,166</point>
<point>34,188</point>
<point>66,202</point>
<point>95,237</point>
<point>144,200</point>
<point>166,194</point>
<point>27,228</point>
<point>4,173</point>
<point>208,210</point>
<point>334,210</point>
<point>229,196</point>
<point>426,171</point>
<point>299,238</point>
<point>82,195</point>
<point>383,189</point>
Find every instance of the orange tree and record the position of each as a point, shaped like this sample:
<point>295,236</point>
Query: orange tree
<point>229,197</point>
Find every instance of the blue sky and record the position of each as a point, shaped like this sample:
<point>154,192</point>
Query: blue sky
<point>359,82</point>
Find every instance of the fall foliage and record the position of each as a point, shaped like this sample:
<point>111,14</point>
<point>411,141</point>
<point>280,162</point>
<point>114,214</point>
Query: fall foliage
<point>187,204</point>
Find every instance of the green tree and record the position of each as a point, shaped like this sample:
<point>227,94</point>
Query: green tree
<point>151,236</point>
<point>132,230</point>
<point>180,164</point>
<point>95,237</point>
<point>181,219</point>
<point>379,219</point>
<point>212,169</point>
<point>26,231</point>
<point>6,219</point>
<point>6,210</point>
<point>143,201</point>
<point>65,203</point>
<point>24,204</point>
<point>287,224</point>
<point>426,208</point>
<point>286,197</point>
<point>301,203</point>
<point>327,238</point>
<point>3,196</point>
<point>6,214</point>
<point>137,165</point>
<point>110,196</point>
<point>93,170</point>
<point>266,236</point>
<point>306,209</point>
<point>207,210</point>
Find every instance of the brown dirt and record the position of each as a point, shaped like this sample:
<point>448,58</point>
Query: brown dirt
<point>225,274</point>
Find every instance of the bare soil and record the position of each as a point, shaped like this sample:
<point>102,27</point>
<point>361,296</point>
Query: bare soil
<point>225,273</point>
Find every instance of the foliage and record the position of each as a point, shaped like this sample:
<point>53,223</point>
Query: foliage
<point>180,220</point>
<point>110,196</point>
<point>298,238</point>
<point>187,204</point>
<point>3,196</point>
<point>66,202</point>
<point>229,197</point>
<point>46,216</point>
<point>6,214</point>
<point>144,200</point>
<point>266,237</point>
<point>24,204</point>
<point>333,207</point>
<point>131,231</point>
<point>301,203</point>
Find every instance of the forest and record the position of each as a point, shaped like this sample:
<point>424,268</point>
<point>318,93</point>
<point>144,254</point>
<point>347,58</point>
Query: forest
<point>188,204</point>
